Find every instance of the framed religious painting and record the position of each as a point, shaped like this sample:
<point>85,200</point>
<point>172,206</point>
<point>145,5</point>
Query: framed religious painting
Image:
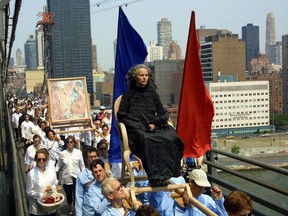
<point>68,103</point>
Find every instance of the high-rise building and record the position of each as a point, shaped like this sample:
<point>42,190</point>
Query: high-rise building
<point>94,57</point>
<point>19,57</point>
<point>270,35</point>
<point>278,53</point>
<point>154,52</point>
<point>225,53</point>
<point>164,77</point>
<point>30,53</point>
<point>250,34</point>
<point>11,62</point>
<point>174,52</point>
<point>285,71</point>
<point>202,33</point>
<point>275,91</point>
<point>164,35</point>
<point>71,40</point>
<point>40,47</point>
<point>240,107</point>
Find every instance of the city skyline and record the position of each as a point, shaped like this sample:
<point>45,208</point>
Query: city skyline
<point>218,15</point>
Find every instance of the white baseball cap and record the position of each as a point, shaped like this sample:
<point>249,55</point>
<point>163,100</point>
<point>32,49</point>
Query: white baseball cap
<point>200,178</point>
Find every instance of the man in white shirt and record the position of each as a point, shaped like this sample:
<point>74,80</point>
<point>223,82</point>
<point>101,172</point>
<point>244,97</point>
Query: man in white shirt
<point>15,121</point>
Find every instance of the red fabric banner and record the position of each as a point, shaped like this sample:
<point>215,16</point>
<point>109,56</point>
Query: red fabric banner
<point>196,108</point>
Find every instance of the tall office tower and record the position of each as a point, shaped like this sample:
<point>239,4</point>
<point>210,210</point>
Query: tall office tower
<point>278,53</point>
<point>164,35</point>
<point>285,71</point>
<point>166,75</point>
<point>270,35</point>
<point>30,53</point>
<point>202,33</point>
<point>154,52</point>
<point>250,34</point>
<point>40,47</point>
<point>71,40</point>
<point>11,62</point>
<point>225,53</point>
<point>94,57</point>
<point>19,58</point>
<point>174,52</point>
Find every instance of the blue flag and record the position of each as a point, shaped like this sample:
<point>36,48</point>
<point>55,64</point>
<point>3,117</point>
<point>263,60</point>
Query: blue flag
<point>130,51</point>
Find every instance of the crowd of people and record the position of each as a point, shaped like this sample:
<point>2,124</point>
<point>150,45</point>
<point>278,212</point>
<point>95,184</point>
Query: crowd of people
<point>79,162</point>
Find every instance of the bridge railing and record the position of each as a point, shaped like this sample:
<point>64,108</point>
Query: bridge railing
<point>214,167</point>
<point>16,195</point>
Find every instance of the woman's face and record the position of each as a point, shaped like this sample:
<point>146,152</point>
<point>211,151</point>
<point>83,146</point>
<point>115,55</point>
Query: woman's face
<point>105,130</point>
<point>41,160</point>
<point>70,145</point>
<point>43,126</point>
<point>141,77</point>
<point>51,135</point>
<point>26,117</point>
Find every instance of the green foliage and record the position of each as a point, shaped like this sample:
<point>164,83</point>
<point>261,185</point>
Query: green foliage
<point>235,150</point>
<point>279,119</point>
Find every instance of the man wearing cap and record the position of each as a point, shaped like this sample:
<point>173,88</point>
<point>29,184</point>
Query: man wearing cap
<point>198,182</point>
<point>101,114</point>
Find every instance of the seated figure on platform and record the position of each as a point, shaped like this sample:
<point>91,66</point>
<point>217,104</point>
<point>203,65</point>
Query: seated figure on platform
<point>150,137</point>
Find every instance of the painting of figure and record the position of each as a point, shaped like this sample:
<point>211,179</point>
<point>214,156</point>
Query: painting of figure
<point>68,99</point>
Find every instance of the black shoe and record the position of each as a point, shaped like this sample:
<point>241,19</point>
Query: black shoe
<point>158,183</point>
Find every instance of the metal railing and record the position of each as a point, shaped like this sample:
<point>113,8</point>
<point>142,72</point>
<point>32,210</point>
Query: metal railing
<point>16,195</point>
<point>214,167</point>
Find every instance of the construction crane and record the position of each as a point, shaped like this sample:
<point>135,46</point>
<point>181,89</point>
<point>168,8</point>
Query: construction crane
<point>47,23</point>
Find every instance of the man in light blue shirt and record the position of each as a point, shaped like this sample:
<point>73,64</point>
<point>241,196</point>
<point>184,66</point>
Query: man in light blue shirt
<point>198,182</point>
<point>115,193</point>
<point>94,203</point>
<point>84,179</point>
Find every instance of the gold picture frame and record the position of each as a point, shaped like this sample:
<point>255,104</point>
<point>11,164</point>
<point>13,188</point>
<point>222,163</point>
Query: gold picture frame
<point>69,104</point>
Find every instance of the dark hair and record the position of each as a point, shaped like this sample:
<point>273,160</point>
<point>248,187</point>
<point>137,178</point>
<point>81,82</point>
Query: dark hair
<point>147,210</point>
<point>96,162</point>
<point>105,126</point>
<point>37,136</point>
<point>70,137</point>
<point>50,130</point>
<point>87,150</point>
<point>102,141</point>
<point>133,72</point>
<point>237,201</point>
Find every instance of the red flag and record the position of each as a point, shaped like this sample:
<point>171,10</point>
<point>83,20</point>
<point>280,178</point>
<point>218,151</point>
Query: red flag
<point>196,109</point>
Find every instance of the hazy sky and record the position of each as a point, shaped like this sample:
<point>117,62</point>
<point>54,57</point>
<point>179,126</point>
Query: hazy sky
<point>144,15</point>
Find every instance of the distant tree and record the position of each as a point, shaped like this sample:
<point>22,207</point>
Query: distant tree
<point>279,119</point>
<point>235,150</point>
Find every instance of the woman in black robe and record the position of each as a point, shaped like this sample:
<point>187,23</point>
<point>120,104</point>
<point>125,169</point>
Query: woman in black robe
<point>150,137</point>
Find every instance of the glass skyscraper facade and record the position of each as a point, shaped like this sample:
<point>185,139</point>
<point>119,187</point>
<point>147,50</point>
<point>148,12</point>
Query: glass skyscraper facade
<point>71,40</point>
<point>30,54</point>
<point>250,34</point>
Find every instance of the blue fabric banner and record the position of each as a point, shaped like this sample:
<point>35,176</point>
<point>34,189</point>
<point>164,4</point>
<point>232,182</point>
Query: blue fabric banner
<point>130,50</point>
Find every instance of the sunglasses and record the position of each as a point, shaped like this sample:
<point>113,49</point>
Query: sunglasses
<point>70,142</point>
<point>117,189</point>
<point>41,159</point>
